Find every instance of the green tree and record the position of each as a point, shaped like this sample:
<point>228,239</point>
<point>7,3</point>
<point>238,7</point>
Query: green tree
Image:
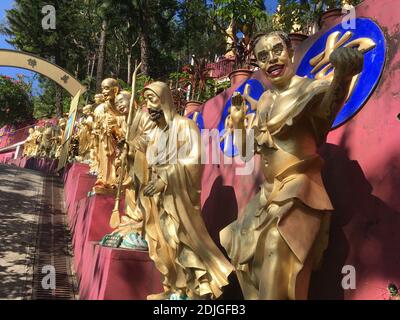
<point>15,103</point>
<point>304,13</point>
<point>241,16</point>
<point>62,46</point>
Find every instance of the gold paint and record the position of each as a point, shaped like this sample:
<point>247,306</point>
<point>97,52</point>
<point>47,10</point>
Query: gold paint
<point>179,243</point>
<point>109,129</point>
<point>136,205</point>
<point>94,162</point>
<point>84,134</point>
<point>283,231</point>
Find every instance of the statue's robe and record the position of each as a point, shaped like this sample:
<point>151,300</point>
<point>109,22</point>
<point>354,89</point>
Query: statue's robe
<point>85,138</point>
<point>293,197</point>
<point>108,132</point>
<point>136,204</point>
<point>179,242</point>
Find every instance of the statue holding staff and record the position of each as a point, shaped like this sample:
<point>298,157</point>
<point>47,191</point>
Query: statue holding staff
<point>179,244</point>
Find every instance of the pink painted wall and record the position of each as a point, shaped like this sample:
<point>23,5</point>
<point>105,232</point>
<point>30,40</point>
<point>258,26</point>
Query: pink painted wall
<point>362,176</point>
<point>10,134</point>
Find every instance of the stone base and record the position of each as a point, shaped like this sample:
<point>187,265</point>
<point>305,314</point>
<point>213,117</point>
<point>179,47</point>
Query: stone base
<point>83,184</point>
<point>70,182</point>
<point>118,274</point>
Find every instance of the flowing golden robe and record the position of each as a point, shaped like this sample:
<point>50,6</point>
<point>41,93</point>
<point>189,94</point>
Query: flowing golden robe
<point>288,128</point>
<point>46,142</point>
<point>37,141</point>
<point>29,144</point>
<point>85,138</point>
<point>136,204</point>
<point>109,130</point>
<point>178,240</point>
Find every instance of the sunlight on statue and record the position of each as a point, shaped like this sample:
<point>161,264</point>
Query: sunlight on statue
<point>179,244</point>
<point>284,230</point>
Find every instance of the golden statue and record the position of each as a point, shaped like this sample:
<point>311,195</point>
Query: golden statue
<point>108,127</point>
<point>37,141</point>
<point>62,124</point>
<point>94,163</point>
<point>29,143</point>
<point>131,227</point>
<point>285,228</point>
<point>46,143</point>
<point>179,244</point>
<point>84,134</point>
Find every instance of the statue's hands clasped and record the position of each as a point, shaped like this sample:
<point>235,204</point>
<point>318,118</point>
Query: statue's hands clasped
<point>154,187</point>
<point>347,62</point>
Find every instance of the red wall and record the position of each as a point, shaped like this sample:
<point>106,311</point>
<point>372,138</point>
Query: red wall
<point>362,176</point>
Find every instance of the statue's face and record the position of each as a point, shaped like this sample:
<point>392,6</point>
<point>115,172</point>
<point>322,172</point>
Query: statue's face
<point>122,104</point>
<point>108,90</point>
<point>87,109</point>
<point>98,99</point>
<point>275,59</point>
<point>151,100</point>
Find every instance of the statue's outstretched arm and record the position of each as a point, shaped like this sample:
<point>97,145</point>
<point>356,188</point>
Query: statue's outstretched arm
<point>347,63</point>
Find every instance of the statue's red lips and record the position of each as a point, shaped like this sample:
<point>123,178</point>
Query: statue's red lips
<point>275,70</point>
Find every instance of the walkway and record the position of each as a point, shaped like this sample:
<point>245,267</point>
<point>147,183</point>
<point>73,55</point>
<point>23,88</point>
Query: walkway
<point>33,237</point>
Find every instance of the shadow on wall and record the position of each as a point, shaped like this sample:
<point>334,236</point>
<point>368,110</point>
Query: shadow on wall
<point>219,210</point>
<point>364,232</point>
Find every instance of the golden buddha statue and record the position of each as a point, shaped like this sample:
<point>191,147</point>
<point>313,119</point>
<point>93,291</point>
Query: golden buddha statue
<point>108,131</point>
<point>179,244</point>
<point>29,143</point>
<point>131,228</point>
<point>285,228</point>
<point>84,134</point>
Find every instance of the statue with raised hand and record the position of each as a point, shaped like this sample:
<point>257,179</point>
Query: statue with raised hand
<point>284,230</point>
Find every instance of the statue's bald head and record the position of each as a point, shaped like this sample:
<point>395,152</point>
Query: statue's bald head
<point>109,88</point>
<point>110,82</point>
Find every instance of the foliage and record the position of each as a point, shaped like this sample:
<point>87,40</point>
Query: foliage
<point>301,15</point>
<point>241,17</point>
<point>44,104</point>
<point>110,35</point>
<point>198,77</point>
<point>15,104</point>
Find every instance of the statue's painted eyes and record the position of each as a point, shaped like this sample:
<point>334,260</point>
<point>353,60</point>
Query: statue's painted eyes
<point>278,49</point>
<point>263,56</point>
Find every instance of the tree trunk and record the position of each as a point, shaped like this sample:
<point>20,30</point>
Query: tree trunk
<point>129,66</point>
<point>59,106</point>
<point>145,53</point>
<point>100,62</point>
<point>144,40</point>
<point>56,59</point>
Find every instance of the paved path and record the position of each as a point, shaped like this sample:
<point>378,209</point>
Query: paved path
<point>33,235</point>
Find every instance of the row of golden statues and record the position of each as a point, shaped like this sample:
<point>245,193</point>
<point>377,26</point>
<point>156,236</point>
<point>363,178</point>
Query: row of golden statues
<point>45,142</point>
<point>284,230</point>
